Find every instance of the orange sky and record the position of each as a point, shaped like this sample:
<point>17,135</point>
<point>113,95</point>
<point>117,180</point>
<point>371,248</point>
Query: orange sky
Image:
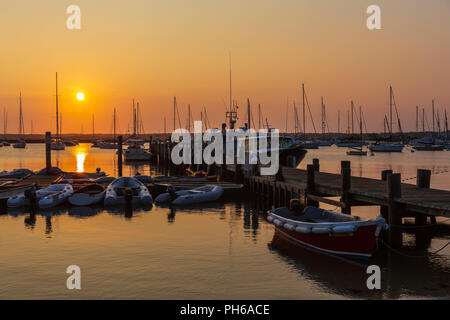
<point>153,50</point>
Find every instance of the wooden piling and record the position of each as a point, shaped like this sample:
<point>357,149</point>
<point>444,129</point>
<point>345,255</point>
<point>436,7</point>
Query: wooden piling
<point>384,209</point>
<point>48,152</point>
<point>346,175</point>
<point>394,191</point>
<point>316,164</point>
<point>423,178</point>
<point>423,181</point>
<point>119,155</point>
<point>310,185</point>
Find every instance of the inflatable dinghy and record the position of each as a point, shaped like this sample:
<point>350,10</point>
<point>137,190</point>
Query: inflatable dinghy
<point>118,190</point>
<point>198,195</point>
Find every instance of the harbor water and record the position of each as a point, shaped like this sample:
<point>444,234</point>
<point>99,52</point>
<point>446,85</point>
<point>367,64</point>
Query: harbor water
<point>223,250</point>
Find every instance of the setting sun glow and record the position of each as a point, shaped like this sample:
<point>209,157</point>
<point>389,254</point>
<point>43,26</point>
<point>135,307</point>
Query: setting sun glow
<point>80,96</point>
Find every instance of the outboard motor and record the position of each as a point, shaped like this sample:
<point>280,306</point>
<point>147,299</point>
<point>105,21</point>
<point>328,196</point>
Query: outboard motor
<point>295,206</point>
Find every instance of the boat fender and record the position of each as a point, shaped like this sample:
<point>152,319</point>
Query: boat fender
<point>344,229</point>
<point>270,218</point>
<point>321,230</point>
<point>278,223</point>
<point>289,226</point>
<point>303,229</point>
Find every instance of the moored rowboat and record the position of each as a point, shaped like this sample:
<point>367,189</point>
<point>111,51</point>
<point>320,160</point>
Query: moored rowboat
<point>328,231</point>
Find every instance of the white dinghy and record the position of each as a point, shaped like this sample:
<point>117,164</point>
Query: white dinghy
<point>198,195</point>
<point>21,201</point>
<point>57,194</point>
<point>87,196</point>
<point>117,191</point>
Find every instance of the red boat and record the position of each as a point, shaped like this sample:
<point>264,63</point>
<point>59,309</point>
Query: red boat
<point>328,231</point>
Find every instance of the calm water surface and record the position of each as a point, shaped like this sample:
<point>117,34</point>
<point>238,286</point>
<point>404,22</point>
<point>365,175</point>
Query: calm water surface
<point>217,251</point>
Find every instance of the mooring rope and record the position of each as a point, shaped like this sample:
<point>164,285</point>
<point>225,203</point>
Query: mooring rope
<point>435,172</point>
<point>413,256</point>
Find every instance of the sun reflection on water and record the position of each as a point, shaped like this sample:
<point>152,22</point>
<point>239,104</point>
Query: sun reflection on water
<point>80,154</point>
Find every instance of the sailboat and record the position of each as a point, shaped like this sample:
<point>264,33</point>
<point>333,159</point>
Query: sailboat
<point>388,146</point>
<point>108,145</point>
<point>358,151</point>
<point>135,152</point>
<point>5,143</point>
<point>57,144</point>
<point>20,144</point>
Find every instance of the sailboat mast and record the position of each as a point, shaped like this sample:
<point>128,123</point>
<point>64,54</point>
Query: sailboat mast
<point>390,110</point>
<point>417,118</point>
<point>174,111</point>
<point>259,116</point>
<point>339,122</point>
<point>93,126</point>
<point>114,125</point>
<point>352,108</point>
<point>189,118</point>
<point>432,112</point>
<point>248,112</point>
<point>57,115</point>
<point>231,94</point>
<point>304,114</point>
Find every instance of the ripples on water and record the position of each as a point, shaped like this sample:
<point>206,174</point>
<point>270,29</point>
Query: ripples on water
<point>223,250</point>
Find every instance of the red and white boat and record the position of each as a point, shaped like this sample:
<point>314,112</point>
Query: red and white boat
<point>328,231</point>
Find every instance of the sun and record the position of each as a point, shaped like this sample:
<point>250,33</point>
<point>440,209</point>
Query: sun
<point>80,96</point>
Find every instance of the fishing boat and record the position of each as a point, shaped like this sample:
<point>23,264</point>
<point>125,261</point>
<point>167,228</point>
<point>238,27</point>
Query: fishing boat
<point>198,195</point>
<point>20,144</point>
<point>327,231</point>
<point>121,188</point>
<point>89,195</point>
<point>50,196</point>
<point>57,194</point>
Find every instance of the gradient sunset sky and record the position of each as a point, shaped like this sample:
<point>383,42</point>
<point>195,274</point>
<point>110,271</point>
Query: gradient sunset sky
<point>151,50</point>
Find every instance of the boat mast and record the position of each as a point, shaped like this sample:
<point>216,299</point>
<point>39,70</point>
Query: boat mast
<point>57,115</point>
<point>417,118</point>
<point>174,110</point>
<point>304,114</point>
<point>432,111</point>
<point>189,118</point>
<point>352,108</point>
<point>231,94</point>
<point>248,113</point>
<point>446,124</point>
<point>93,126</point>
<point>5,123</point>
<point>360,126</point>
<point>339,122</point>
<point>114,125</point>
<point>390,111</point>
